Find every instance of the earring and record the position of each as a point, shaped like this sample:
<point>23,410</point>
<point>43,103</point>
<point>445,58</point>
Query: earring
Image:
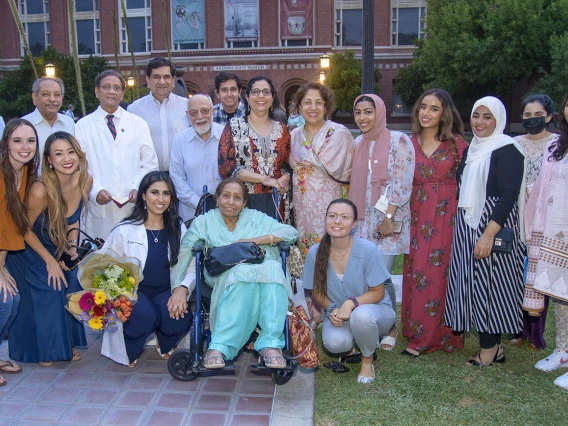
<point>51,166</point>
<point>248,107</point>
<point>144,206</point>
<point>271,108</point>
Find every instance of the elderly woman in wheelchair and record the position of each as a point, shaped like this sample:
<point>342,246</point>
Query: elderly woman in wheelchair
<point>247,294</point>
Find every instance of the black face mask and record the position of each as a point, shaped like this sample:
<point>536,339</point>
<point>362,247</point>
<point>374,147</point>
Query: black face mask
<point>534,125</point>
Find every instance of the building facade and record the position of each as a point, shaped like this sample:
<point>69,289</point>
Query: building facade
<point>282,39</point>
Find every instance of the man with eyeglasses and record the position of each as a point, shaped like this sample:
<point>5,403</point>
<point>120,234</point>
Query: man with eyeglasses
<point>120,153</point>
<point>228,91</point>
<point>161,109</point>
<point>193,161</point>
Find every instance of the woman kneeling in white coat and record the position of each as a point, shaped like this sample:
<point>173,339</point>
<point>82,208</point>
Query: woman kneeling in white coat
<point>152,234</point>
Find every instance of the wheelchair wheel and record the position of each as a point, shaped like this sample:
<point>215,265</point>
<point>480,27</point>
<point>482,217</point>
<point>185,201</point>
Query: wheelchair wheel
<point>180,365</point>
<point>281,377</point>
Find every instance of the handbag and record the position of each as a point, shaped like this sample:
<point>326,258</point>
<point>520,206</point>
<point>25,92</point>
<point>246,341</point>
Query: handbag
<point>302,338</point>
<point>88,245</point>
<point>221,259</point>
<point>503,241</point>
<point>295,262</point>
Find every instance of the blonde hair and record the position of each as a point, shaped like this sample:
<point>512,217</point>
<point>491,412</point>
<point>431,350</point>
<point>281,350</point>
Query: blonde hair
<point>56,204</point>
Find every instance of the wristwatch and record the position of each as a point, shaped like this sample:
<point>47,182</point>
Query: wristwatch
<point>388,216</point>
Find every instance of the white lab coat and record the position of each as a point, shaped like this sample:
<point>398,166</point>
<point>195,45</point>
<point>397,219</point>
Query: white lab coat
<point>116,165</point>
<point>131,240</point>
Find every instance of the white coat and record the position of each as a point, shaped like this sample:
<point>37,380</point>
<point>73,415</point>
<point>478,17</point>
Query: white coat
<point>131,240</point>
<point>116,165</point>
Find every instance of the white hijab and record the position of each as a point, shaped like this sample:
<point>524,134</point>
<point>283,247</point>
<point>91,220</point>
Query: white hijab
<point>474,178</point>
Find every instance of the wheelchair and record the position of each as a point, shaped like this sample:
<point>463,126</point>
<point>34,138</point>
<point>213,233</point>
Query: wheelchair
<point>187,364</point>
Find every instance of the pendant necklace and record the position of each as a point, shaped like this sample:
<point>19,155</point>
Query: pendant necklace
<point>155,236</point>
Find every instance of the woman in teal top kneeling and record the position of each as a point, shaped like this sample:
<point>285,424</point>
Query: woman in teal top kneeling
<point>247,294</point>
<point>347,275</point>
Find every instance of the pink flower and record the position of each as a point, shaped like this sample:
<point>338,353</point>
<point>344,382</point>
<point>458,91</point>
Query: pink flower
<point>86,301</point>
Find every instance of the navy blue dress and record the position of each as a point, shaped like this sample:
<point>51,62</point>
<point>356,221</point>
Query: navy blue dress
<point>43,329</point>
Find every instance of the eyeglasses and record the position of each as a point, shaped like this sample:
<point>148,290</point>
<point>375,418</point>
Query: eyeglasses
<point>257,92</point>
<point>344,217</point>
<point>203,111</point>
<point>108,87</point>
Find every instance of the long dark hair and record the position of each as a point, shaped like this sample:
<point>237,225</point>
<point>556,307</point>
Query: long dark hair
<point>559,148</point>
<point>451,124</point>
<point>322,255</point>
<point>275,100</point>
<point>172,221</point>
<point>15,206</point>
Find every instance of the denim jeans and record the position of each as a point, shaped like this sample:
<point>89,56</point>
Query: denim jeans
<point>8,312</point>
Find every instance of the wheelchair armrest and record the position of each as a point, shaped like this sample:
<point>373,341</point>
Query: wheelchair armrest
<point>198,247</point>
<point>285,247</point>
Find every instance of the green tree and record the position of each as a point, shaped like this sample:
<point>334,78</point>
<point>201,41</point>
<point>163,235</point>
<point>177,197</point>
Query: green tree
<point>345,79</point>
<point>16,86</point>
<point>479,47</point>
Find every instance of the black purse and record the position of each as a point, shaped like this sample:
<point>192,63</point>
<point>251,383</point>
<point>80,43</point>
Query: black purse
<point>503,241</point>
<point>221,259</point>
<point>88,245</point>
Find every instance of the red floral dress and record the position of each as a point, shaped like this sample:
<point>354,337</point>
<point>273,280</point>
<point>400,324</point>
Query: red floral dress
<point>433,208</point>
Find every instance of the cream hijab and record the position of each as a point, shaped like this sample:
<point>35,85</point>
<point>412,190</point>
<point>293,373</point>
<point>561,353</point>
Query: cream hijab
<point>476,171</point>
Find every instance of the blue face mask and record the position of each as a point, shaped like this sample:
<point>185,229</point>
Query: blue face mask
<point>534,125</point>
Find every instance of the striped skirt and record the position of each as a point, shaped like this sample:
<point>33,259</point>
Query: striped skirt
<point>485,294</point>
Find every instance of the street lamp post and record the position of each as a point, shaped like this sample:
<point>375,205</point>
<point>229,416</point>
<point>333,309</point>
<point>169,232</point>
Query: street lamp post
<point>130,83</point>
<point>49,70</point>
<point>324,65</point>
<point>368,48</point>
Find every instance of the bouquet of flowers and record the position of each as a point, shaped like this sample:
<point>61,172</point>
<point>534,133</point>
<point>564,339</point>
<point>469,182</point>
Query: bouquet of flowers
<point>109,286</point>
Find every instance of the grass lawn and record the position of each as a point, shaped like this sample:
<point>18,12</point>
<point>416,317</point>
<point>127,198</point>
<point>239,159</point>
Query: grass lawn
<point>439,389</point>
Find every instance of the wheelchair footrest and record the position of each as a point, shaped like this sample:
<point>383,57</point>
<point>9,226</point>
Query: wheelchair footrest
<point>264,367</point>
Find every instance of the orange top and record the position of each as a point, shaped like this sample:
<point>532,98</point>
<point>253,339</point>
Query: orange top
<point>10,240</point>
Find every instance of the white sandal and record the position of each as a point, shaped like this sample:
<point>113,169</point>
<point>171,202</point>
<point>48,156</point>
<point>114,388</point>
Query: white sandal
<point>389,341</point>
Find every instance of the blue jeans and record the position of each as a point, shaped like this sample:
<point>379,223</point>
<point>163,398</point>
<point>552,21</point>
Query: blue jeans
<point>8,312</point>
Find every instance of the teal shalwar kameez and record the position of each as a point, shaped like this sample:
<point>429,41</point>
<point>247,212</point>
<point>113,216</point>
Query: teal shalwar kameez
<point>247,294</point>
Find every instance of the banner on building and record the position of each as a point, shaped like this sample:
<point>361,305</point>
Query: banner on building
<point>296,19</point>
<point>241,20</point>
<point>188,21</point>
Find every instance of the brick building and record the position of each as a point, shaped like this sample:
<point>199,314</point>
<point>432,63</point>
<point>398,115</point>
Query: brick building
<point>282,39</point>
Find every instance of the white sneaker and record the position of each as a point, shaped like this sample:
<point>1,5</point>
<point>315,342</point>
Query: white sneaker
<point>555,360</point>
<point>562,381</point>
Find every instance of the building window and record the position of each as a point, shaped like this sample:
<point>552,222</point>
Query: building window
<point>296,43</point>
<point>34,7</point>
<point>408,24</point>
<point>35,20</point>
<point>86,5</point>
<point>188,25</point>
<point>88,27</point>
<point>139,24</point>
<point>348,23</point>
<point>398,107</point>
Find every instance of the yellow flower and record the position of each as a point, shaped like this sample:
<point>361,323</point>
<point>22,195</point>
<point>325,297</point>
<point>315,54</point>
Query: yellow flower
<point>131,280</point>
<point>100,298</point>
<point>96,323</point>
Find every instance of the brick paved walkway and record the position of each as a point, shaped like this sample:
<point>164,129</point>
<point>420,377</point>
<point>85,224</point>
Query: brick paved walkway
<point>97,391</point>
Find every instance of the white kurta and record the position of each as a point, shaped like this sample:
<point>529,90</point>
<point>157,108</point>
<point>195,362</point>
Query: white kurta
<point>116,165</point>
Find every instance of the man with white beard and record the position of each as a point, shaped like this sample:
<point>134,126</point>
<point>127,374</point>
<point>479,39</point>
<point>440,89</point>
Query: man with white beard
<point>193,158</point>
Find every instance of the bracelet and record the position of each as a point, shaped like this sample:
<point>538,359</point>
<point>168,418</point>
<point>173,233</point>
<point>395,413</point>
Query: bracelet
<point>271,238</point>
<point>354,300</point>
<point>72,241</point>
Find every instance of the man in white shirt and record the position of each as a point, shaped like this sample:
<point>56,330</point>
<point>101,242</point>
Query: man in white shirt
<point>193,160</point>
<point>120,153</point>
<point>161,109</point>
<point>47,96</point>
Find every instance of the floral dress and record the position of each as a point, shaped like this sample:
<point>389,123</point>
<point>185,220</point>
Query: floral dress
<point>433,214</point>
<point>319,168</point>
<point>400,174</point>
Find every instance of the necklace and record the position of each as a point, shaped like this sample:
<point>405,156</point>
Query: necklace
<point>339,257</point>
<point>155,236</point>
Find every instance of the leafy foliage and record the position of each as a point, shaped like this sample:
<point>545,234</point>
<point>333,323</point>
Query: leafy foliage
<point>345,79</point>
<point>16,86</point>
<point>479,47</point>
